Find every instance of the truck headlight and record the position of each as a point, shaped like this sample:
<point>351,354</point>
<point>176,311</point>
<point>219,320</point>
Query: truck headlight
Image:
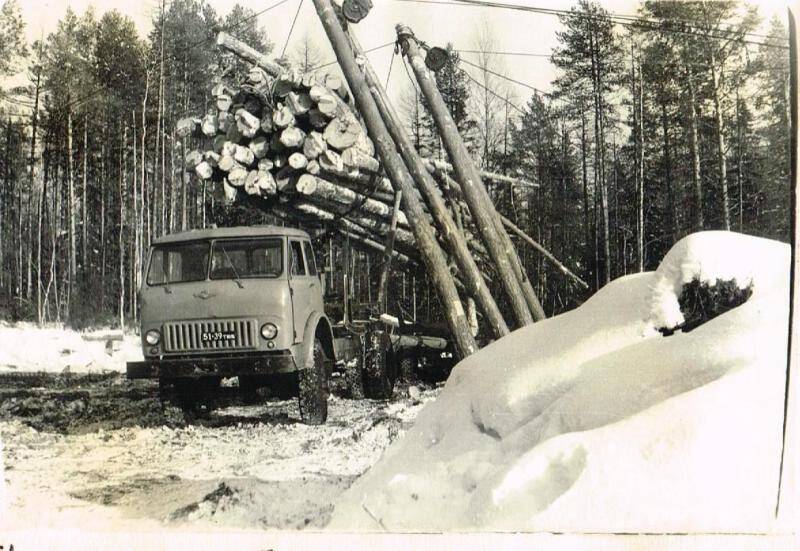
<point>152,337</point>
<point>269,331</point>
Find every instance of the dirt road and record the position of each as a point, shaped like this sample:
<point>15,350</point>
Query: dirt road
<point>101,452</point>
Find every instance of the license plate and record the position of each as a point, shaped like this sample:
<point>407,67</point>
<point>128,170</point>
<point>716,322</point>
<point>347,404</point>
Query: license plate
<point>217,336</point>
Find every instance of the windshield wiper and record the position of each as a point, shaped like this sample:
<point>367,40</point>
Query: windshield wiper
<point>233,267</point>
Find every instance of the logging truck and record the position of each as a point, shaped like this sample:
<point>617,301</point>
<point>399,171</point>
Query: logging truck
<point>247,303</point>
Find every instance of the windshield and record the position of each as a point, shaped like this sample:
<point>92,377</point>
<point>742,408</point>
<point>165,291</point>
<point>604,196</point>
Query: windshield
<point>178,263</point>
<point>247,258</point>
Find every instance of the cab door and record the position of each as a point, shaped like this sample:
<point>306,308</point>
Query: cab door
<point>303,287</point>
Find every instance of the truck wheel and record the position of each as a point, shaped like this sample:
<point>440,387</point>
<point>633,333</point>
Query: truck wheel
<point>313,398</point>
<point>378,381</point>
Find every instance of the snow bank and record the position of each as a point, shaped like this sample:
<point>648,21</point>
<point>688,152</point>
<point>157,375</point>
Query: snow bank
<point>593,421</point>
<point>25,347</point>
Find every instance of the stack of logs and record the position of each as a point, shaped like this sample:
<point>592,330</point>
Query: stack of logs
<point>293,134</point>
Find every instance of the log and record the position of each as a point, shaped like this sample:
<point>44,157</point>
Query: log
<point>267,124</point>
<point>353,157</point>
<point>224,102</point>
<point>265,165</point>
<point>432,254</point>
<point>211,158</point>
<point>244,155</point>
<point>341,134</point>
<point>356,222</point>
<point>229,191</point>
<point>204,170</point>
<point>250,183</point>
<point>313,168</point>
<point>218,90</point>
<point>311,185</point>
<point>227,163</point>
<point>298,161</point>
<point>309,79</point>
<point>372,244</point>
<point>335,84</point>
<point>329,105</point>
<point>247,123</point>
<point>283,178</point>
<point>455,240</point>
<point>293,137</point>
<point>218,143</point>
<point>282,117</point>
<point>210,125</point>
<point>266,183</point>
<point>228,149</point>
<point>299,103</point>
<point>288,81</point>
<point>259,146</point>
<point>193,158</point>
<point>186,126</point>
<point>483,212</point>
<point>330,160</point>
<point>224,121</point>
<point>237,176</point>
<point>231,44</point>
<point>257,76</point>
<point>314,145</point>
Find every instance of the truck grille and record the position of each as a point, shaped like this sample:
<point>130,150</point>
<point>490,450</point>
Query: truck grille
<point>187,336</point>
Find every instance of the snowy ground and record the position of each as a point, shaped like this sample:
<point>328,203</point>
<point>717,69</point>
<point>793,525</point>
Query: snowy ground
<point>594,422</point>
<point>98,452</point>
<point>24,347</point>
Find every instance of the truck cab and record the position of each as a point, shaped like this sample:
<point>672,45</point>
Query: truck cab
<point>243,302</point>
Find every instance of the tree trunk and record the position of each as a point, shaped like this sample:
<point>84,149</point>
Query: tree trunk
<point>72,240</point>
<point>721,160</point>
<point>123,184</point>
<point>697,184</point>
<point>85,219</point>
<point>672,208</point>
<point>587,233</point>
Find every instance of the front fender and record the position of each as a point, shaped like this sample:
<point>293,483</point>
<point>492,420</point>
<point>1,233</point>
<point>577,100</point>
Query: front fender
<point>317,325</point>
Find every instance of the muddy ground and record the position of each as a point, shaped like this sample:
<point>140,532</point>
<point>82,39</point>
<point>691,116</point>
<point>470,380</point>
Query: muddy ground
<point>102,452</point>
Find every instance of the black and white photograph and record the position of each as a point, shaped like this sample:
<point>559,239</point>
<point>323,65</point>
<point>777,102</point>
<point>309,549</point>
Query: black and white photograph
<point>401,274</point>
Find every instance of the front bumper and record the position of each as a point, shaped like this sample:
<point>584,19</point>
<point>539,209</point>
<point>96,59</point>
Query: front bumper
<point>227,366</point>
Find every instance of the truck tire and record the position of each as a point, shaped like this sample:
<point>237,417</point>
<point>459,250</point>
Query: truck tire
<point>378,379</point>
<point>313,396</point>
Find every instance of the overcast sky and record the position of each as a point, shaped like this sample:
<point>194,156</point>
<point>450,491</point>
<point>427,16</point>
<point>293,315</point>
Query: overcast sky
<point>435,24</point>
